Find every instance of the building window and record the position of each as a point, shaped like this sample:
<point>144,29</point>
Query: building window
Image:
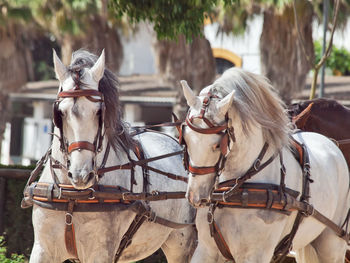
<point>225,59</point>
<point>222,65</point>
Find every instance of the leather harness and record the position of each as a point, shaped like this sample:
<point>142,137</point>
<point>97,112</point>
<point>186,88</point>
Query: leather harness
<point>237,193</point>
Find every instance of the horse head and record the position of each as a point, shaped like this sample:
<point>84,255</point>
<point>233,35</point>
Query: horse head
<point>206,136</point>
<point>227,127</point>
<point>78,115</point>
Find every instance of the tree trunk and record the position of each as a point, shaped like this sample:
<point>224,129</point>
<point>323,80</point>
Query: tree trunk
<point>15,58</point>
<point>282,58</point>
<point>99,36</point>
<point>194,62</point>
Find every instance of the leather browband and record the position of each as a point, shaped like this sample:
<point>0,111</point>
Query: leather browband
<point>88,93</point>
<point>211,130</point>
<point>81,145</point>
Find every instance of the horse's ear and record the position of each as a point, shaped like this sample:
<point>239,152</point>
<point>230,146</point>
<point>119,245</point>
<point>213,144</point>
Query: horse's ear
<point>224,104</point>
<point>191,98</point>
<point>60,68</point>
<point>98,69</point>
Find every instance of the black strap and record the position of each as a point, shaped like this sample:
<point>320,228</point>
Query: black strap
<point>285,245</point>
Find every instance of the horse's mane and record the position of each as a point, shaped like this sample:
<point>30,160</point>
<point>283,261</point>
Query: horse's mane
<point>255,101</point>
<point>116,128</point>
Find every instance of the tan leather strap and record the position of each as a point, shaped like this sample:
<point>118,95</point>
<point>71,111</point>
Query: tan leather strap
<point>44,192</point>
<point>201,170</point>
<point>69,234</point>
<point>88,93</point>
<point>81,145</point>
<point>210,130</point>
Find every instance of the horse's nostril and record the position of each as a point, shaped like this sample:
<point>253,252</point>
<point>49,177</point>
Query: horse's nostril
<point>70,175</point>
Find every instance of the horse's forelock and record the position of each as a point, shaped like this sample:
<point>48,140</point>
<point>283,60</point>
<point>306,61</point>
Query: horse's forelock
<point>256,101</point>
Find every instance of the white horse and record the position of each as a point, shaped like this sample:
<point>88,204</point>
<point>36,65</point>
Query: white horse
<point>98,234</point>
<point>254,116</point>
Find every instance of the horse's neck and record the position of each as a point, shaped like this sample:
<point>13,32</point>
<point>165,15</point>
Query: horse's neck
<point>120,177</point>
<point>243,154</point>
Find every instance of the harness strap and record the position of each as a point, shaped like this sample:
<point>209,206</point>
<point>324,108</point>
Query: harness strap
<point>127,237</point>
<point>27,200</point>
<point>143,213</point>
<point>217,235</point>
<point>81,145</point>
<point>210,130</point>
<point>88,93</point>
<point>69,234</point>
<point>45,192</point>
<point>136,162</point>
<point>255,168</point>
<point>285,245</point>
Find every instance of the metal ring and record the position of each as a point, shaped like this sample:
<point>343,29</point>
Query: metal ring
<point>71,219</point>
<point>155,192</point>
<point>211,215</point>
<point>123,195</point>
<point>59,192</point>
<point>257,164</point>
<point>92,191</point>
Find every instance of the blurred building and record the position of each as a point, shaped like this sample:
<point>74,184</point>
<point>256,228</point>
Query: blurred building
<point>145,97</point>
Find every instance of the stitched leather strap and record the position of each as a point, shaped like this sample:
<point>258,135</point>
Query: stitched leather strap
<point>211,130</point>
<point>201,170</point>
<point>81,145</point>
<point>69,234</point>
<point>88,93</point>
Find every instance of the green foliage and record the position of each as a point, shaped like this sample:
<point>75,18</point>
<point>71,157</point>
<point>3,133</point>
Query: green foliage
<point>43,71</point>
<point>169,17</point>
<point>14,11</point>
<point>18,222</point>
<point>14,258</point>
<point>339,59</point>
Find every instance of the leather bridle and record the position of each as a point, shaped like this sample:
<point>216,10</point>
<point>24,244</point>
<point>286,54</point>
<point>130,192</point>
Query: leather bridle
<point>221,130</point>
<point>91,95</point>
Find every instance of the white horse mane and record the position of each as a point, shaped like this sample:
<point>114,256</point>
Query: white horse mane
<point>256,101</point>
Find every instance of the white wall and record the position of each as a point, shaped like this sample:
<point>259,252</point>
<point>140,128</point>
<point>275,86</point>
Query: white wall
<point>5,146</point>
<point>138,52</point>
<point>341,36</point>
<point>245,46</point>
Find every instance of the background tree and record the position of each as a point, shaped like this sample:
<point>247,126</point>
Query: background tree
<point>181,50</point>
<point>80,24</point>
<point>282,58</point>
<point>16,63</point>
